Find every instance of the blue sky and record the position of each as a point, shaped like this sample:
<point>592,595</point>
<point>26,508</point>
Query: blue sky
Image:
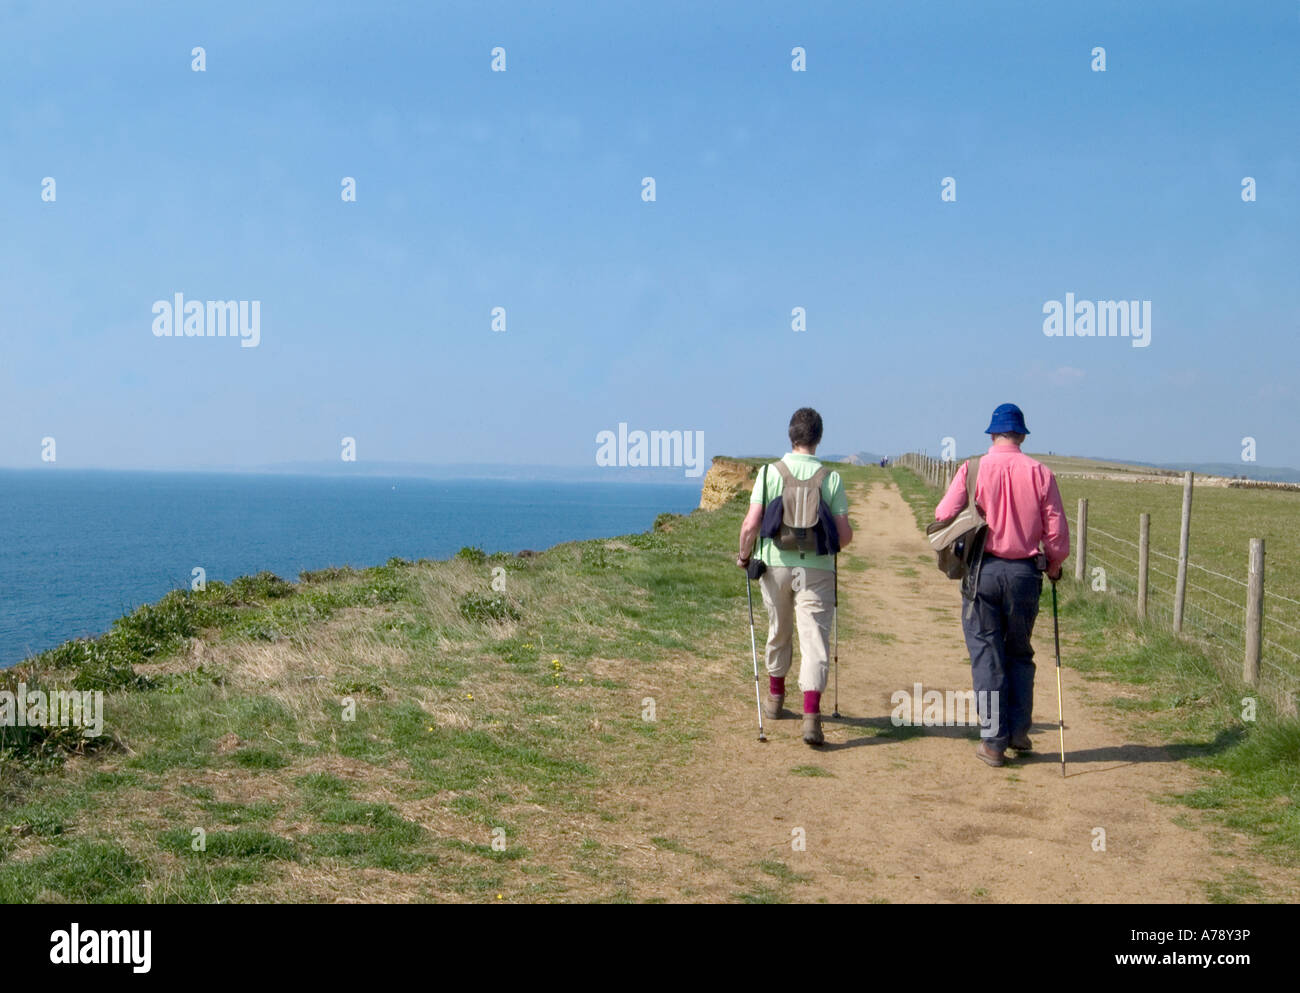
<point>522,189</point>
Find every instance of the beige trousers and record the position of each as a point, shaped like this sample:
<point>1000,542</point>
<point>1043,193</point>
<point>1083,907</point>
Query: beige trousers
<point>803,599</point>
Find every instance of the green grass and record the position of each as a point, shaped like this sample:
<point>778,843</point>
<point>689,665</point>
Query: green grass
<point>87,871</point>
<point>762,894</point>
<point>474,708</point>
<point>670,845</point>
<point>780,871</point>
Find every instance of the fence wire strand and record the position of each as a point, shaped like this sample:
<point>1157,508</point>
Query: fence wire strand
<point>1230,603</point>
<point>1132,544</point>
<point>1230,579</point>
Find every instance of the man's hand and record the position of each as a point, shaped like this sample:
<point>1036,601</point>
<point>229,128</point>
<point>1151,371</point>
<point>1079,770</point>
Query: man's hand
<point>742,561</point>
<point>1054,574</point>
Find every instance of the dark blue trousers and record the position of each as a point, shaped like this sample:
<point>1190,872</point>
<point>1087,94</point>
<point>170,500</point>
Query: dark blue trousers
<point>998,625</point>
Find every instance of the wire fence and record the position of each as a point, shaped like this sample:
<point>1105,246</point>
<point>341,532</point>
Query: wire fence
<point>1215,606</point>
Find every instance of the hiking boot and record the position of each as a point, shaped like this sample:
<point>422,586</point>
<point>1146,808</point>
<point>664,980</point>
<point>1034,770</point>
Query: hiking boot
<point>1021,743</point>
<point>812,730</point>
<point>990,756</point>
<point>772,706</point>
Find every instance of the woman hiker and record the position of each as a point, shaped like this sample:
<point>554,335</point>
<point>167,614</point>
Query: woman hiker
<point>798,584</point>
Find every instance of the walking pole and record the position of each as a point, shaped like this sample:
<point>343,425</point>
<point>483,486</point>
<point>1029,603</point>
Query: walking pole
<point>753,646</point>
<point>835,621</point>
<point>1060,714</point>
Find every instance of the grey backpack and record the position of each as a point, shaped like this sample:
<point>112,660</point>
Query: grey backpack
<point>800,509</point>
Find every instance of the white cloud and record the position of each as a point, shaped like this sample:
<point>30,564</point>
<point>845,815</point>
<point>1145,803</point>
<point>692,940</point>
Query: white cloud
<point>1066,375</point>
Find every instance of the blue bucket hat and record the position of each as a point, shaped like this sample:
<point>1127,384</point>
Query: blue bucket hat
<point>1007,419</point>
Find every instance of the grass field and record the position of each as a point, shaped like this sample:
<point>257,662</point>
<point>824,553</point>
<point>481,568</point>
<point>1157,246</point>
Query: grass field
<point>1069,463</point>
<point>481,740</point>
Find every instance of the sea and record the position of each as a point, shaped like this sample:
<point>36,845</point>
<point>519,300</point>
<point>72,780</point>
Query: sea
<point>79,549</point>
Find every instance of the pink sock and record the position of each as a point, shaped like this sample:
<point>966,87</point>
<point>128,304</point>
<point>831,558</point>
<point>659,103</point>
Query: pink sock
<point>776,685</point>
<point>812,701</point>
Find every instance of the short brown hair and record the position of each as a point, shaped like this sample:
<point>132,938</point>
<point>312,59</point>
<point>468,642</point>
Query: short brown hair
<point>806,428</point>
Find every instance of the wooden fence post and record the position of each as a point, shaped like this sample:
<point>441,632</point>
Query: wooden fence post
<point>1144,561</point>
<point>1254,612</point>
<point>1081,560</point>
<point>1184,540</point>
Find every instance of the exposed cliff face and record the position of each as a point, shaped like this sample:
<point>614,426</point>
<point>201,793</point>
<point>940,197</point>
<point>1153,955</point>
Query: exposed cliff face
<point>725,481</point>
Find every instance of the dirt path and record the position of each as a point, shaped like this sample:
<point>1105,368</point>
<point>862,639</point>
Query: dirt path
<point>910,815</point>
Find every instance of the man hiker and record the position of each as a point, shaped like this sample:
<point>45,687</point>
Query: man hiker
<point>1022,505</point>
<point>798,581</point>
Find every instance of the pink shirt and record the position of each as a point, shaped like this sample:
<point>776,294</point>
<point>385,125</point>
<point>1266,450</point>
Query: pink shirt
<point>1021,503</point>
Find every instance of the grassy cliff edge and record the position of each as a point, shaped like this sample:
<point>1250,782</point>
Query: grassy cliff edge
<point>444,728</point>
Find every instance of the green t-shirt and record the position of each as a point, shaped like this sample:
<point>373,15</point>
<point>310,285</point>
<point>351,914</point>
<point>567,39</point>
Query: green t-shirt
<point>801,467</point>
